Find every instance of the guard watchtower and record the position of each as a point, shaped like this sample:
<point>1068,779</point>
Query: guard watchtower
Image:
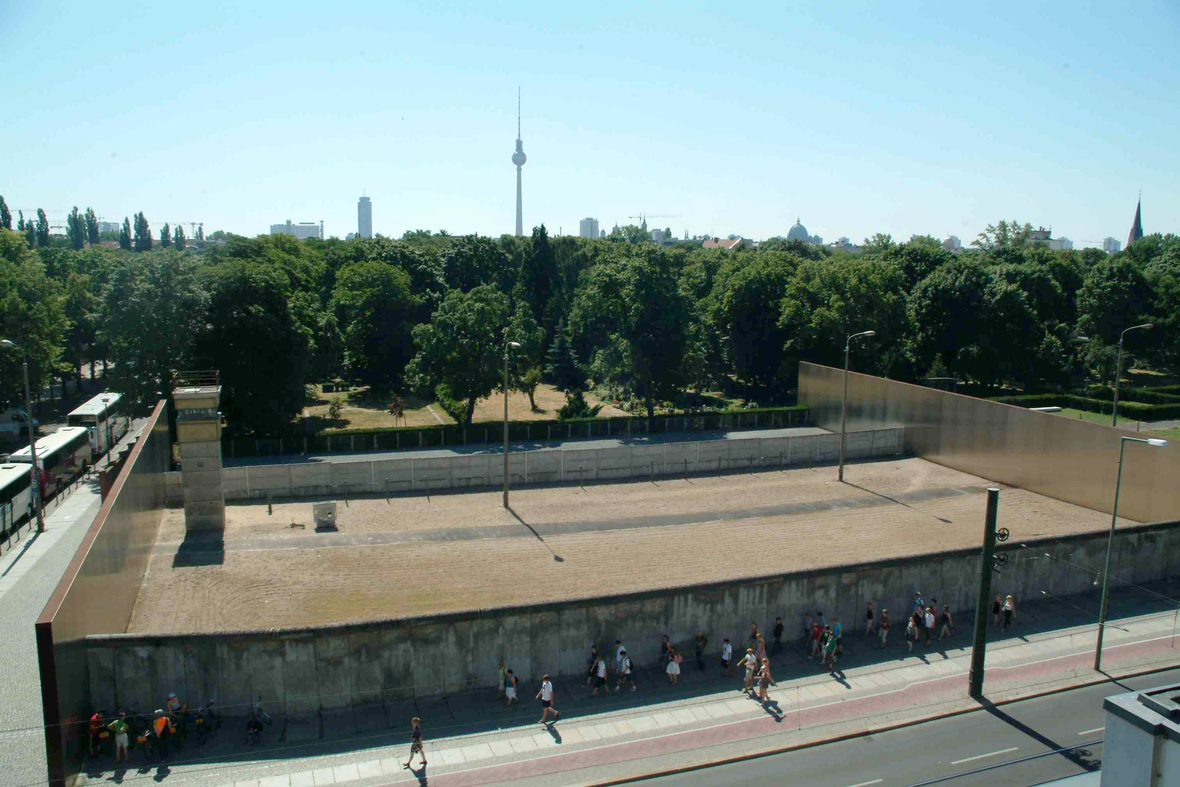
<point>198,432</point>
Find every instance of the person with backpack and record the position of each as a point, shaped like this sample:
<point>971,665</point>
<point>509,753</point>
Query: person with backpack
<point>625,673</point>
<point>511,684</point>
<point>673,668</point>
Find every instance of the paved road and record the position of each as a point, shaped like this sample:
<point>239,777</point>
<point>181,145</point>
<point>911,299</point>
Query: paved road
<point>939,749</point>
<point>531,445</point>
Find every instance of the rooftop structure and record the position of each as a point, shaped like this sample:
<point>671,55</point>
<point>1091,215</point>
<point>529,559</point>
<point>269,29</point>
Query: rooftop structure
<point>729,244</point>
<point>304,229</point>
<point>1137,225</point>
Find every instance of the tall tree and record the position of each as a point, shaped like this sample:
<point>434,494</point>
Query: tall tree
<point>462,347</point>
<point>91,227</point>
<point>561,365</point>
<point>538,275</point>
<point>5,215</point>
<point>165,236</point>
<point>1004,235</point>
<point>76,230</point>
<point>524,362</point>
<point>42,228</point>
<point>745,307</point>
<point>30,233</point>
<point>371,301</point>
<point>81,307</point>
<point>143,233</point>
<point>178,238</point>
<point>20,225</point>
<point>125,235</point>
<point>31,315</point>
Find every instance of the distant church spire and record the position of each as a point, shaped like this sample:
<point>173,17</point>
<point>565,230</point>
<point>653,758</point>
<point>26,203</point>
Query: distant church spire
<point>1137,225</point>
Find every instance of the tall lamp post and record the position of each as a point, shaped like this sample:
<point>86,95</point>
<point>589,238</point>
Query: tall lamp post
<point>844,405</point>
<point>35,472</point>
<point>1147,326</point>
<point>507,345</point>
<point>1110,541</point>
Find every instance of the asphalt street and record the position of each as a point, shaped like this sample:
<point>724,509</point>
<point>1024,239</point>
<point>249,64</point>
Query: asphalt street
<point>583,444</point>
<point>930,752</point>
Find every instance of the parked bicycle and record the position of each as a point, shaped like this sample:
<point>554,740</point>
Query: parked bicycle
<point>205,720</point>
<point>258,718</point>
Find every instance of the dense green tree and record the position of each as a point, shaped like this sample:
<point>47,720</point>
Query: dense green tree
<point>30,231</point>
<point>32,315</point>
<point>462,347</point>
<point>1004,234</point>
<point>470,261</point>
<point>42,228</point>
<point>165,236</point>
<point>91,227</point>
<point>253,340</point>
<point>81,308</point>
<point>561,365</point>
<point>5,215</point>
<point>76,230</point>
<point>143,233</point>
<point>178,238</point>
<point>745,307</point>
<point>125,235</point>
<point>153,307</point>
<point>325,343</point>
<point>538,275</point>
<point>372,301</point>
<point>20,225</point>
<point>916,258</point>
<point>524,362</point>
<point>1115,295</point>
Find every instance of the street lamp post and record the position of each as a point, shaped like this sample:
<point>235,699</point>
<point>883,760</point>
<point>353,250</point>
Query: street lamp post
<point>1110,542</point>
<point>35,472</point>
<point>506,346</point>
<point>1147,326</point>
<point>844,404</point>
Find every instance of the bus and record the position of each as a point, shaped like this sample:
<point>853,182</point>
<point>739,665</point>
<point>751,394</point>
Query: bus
<point>62,456</point>
<point>16,496</point>
<point>103,416</point>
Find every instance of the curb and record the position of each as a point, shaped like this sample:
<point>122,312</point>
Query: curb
<point>870,731</point>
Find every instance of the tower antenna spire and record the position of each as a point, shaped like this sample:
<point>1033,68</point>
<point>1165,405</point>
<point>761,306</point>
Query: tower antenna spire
<point>518,111</point>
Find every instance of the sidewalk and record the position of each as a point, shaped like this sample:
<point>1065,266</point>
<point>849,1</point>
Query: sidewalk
<point>472,740</point>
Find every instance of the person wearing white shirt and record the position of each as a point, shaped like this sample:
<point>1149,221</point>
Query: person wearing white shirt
<point>726,657</point>
<point>545,695</point>
<point>600,678</point>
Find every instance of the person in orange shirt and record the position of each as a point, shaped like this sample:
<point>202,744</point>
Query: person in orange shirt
<point>162,727</point>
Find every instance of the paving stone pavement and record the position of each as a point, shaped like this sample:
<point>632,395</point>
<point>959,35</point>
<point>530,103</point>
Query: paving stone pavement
<point>477,742</point>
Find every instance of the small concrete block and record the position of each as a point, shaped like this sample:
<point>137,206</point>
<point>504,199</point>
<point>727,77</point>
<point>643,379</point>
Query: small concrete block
<point>452,756</point>
<point>738,706</point>
<point>544,740</point>
<point>700,714</point>
<point>623,727</point>
<point>346,773</point>
<point>323,776</point>
<point>684,716</point>
<point>275,781</point>
<point>719,709</point>
<point>369,769</point>
<point>643,723</point>
<point>389,767</point>
<point>665,719</point>
<point>522,745</point>
<point>571,735</point>
<point>606,729</point>
<point>480,751</point>
<point>589,733</point>
<point>302,779</point>
<point>821,691</point>
<point>502,748</point>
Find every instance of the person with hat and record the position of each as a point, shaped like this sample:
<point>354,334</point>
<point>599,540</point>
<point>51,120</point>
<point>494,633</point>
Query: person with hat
<point>163,729</point>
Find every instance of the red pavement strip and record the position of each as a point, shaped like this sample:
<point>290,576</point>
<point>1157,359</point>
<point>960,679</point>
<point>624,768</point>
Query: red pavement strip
<point>888,701</point>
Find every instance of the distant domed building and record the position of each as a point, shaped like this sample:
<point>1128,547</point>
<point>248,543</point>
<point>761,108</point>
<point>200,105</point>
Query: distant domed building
<point>799,232</point>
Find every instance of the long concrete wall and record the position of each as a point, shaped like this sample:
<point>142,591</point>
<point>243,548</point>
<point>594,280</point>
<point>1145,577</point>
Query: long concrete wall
<point>322,479</point>
<point>97,594</point>
<point>302,671</point>
<point>1064,458</point>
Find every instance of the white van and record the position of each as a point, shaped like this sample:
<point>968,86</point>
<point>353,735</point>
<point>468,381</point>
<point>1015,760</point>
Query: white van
<point>14,425</point>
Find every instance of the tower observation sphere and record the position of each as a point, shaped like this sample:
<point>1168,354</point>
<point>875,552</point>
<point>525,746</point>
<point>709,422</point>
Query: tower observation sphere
<point>519,158</point>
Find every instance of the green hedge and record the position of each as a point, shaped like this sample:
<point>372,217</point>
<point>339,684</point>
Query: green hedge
<point>399,437</point>
<point>1144,395</point>
<point>1137,410</point>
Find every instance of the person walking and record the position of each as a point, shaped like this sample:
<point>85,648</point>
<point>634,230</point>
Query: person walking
<point>591,664</point>
<point>673,668</point>
<point>996,604</point>
<point>1009,609</point>
<point>764,680</point>
<point>665,647</point>
<point>919,618</point>
<point>503,674</point>
<point>97,726</point>
<point>119,727</point>
<point>600,677</point>
<point>163,729</point>
<point>726,657</point>
<point>619,650</point>
<point>699,651</point>
<point>946,622</point>
<point>838,633</point>
<point>929,628</point>
<point>919,603</point>
<point>807,631</point>
<point>870,622</point>
<point>545,695</point>
<point>750,663</point>
<point>416,741</point>
<point>625,673</point>
<point>510,687</point>
<point>830,652</point>
<point>759,648</point>
<point>883,627</point>
<point>817,633</point>
<point>778,636</point>
<point>911,631</point>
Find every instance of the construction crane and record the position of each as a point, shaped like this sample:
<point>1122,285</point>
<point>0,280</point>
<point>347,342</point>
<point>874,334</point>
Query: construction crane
<point>643,217</point>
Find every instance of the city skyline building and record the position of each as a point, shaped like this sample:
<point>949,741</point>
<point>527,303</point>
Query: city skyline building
<point>364,218</point>
<point>588,228</point>
<point>519,158</point>
<point>1111,246</point>
<point>304,229</point>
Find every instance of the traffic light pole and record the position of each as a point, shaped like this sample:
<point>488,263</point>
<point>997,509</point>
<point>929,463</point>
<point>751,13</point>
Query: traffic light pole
<point>986,564</point>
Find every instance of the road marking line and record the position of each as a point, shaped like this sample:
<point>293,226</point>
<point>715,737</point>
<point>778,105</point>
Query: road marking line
<point>1096,729</point>
<point>981,756</point>
<point>866,784</point>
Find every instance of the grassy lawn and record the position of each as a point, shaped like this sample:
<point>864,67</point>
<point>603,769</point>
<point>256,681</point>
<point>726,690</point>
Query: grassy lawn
<point>1125,423</point>
<point>362,410</point>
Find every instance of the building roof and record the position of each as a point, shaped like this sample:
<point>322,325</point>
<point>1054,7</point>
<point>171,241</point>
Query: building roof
<point>798,232</point>
<point>723,243</point>
<point>1137,226</point>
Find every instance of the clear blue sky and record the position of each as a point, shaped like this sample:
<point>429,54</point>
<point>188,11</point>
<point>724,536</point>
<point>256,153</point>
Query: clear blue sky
<point>892,117</point>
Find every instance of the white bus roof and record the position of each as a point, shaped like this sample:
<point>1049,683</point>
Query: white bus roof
<point>97,404</point>
<point>11,472</point>
<point>49,443</point>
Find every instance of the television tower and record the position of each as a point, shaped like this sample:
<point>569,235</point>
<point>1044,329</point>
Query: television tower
<point>518,158</point>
